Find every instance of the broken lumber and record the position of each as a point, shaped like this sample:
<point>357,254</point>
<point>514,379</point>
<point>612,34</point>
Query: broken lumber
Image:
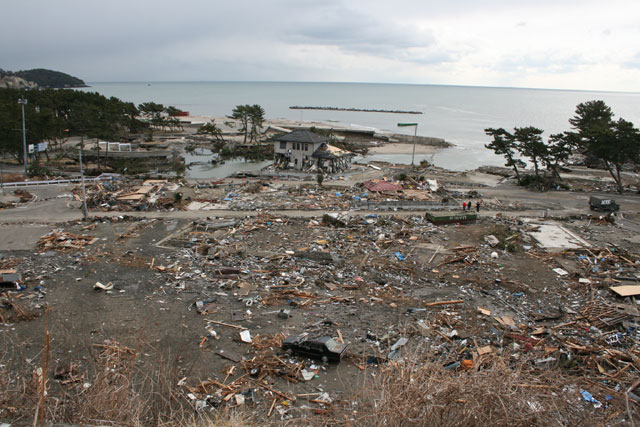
<point>432,304</point>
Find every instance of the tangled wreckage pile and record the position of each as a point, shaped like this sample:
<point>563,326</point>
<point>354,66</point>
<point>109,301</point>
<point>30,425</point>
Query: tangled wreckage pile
<point>401,292</point>
<point>151,194</point>
<point>160,195</point>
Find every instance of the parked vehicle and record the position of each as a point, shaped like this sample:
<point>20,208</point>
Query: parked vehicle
<point>602,204</point>
<point>323,348</point>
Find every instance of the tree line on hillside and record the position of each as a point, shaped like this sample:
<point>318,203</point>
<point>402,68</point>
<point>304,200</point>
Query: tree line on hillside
<point>54,115</point>
<point>46,78</point>
<point>594,133</point>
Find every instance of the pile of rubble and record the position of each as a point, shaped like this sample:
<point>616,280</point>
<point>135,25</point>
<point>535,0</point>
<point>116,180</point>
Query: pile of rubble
<point>269,196</point>
<point>118,196</point>
<point>62,240</point>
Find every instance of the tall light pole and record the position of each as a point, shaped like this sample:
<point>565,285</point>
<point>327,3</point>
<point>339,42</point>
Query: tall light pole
<point>84,192</point>
<point>22,102</point>
<point>413,155</point>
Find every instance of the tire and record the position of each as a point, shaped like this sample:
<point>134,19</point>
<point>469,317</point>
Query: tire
<point>325,359</point>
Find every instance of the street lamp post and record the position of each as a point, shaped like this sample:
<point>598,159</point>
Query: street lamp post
<point>413,155</point>
<point>22,102</point>
<point>84,192</point>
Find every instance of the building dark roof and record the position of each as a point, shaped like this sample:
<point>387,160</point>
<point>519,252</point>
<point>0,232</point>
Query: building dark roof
<point>302,136</point>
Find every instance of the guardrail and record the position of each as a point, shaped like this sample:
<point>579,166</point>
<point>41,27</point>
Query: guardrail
<point>403,204</point>
<point>53,182</point>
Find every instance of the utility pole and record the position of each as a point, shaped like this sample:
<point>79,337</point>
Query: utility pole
<point>84,193</point>
<point>413,155</point>
<point>22,102</point>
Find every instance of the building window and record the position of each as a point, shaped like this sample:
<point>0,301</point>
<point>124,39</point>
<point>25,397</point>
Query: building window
<point>283,145</point>
<point>306,147</point>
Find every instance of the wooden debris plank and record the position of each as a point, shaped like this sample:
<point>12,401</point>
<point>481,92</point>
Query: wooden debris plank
<point>227,324</point>
<point>484,311</point>
<point>274,391</point>
<point>450,261</point>
<point>626,290</point>
<point>484,350</point>
<point>432,304</point>
<point>434,254</point>
<point>273,404</point>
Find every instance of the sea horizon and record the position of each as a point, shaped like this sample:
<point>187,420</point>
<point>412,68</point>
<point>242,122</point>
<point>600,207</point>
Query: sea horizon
<point>368,83</point>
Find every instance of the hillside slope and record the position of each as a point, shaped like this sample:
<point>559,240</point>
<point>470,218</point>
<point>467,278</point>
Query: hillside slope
<point>41,77</point>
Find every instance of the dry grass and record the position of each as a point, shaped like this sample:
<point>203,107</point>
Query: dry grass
<point>115,387</point>
<point>425,394</point>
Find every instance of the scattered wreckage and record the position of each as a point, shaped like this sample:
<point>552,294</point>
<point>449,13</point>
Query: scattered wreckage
<point>378,290</point>
<point>323,348</point>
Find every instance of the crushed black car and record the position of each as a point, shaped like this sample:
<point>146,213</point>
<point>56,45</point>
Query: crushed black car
<point>323,348</point>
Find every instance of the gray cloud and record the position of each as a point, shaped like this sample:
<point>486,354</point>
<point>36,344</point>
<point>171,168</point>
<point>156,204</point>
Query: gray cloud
<point>542,62</point>
<point>633,63</point>
<point>409,41</point>
<point>355,32</point>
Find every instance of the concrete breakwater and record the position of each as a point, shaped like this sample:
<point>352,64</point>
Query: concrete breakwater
<point>365,110</point>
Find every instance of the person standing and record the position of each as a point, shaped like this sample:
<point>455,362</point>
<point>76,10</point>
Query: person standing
<point>464,206</point>
<point>478,206</point>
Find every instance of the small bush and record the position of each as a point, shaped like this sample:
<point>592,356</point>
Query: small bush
<point>538,182</point>
<point>36,169</point>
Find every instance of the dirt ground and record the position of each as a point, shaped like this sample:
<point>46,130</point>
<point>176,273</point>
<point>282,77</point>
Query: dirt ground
<point>182,286</point>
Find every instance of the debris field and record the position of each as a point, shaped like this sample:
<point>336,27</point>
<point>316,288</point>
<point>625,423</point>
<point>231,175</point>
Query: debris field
<point>219,295</point>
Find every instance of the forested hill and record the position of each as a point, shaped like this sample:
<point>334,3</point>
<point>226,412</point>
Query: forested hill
<point>46,78</point>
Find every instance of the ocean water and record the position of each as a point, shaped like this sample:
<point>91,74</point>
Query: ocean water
<point>459,114</point>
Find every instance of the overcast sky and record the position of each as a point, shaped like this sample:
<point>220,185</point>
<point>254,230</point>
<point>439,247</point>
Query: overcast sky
<point>564,44</point>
